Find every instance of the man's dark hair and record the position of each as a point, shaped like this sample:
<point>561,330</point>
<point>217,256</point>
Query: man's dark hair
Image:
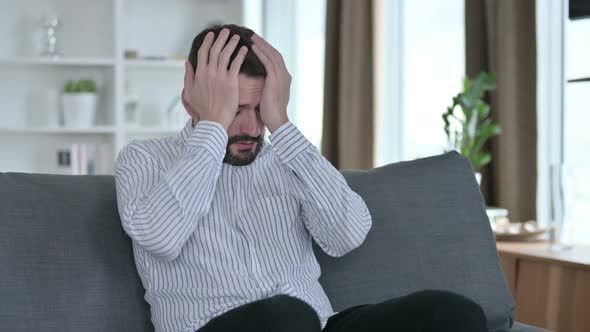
<point>251,66</point>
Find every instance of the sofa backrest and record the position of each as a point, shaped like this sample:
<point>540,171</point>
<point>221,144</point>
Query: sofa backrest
<point>430,231</point>
<point>65,262</point>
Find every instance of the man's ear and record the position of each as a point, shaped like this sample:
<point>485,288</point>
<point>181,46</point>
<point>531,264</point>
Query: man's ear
<point>189,110</point>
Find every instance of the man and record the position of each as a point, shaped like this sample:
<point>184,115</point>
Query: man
<point>222,221</point>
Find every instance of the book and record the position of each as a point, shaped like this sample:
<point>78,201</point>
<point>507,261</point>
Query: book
<point>89,159</point>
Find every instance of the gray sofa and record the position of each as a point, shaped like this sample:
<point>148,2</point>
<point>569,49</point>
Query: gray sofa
<point>67,265</point>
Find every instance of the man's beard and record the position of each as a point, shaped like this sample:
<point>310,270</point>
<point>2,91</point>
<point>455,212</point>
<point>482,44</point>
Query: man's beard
<point>242,158</point>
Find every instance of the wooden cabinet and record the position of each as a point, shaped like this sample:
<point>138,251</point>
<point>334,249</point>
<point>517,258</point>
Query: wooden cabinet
<point>551,289</point>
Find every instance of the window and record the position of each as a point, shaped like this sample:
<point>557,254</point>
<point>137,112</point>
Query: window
<point>420,66</point>
<point>422,62</point>
<point>563,196</point>
<point>576,136</point>
<point>297,29</point>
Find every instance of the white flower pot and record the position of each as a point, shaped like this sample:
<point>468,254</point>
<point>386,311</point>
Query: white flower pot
<point>79,109</point>
<point>478,177</point>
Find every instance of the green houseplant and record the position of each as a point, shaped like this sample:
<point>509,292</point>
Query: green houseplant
<point>79,103</point>
<point>468,124</point>
<point>80,86</point>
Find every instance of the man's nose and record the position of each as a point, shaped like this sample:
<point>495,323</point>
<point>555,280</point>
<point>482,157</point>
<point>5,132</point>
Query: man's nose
<point>249,123</point>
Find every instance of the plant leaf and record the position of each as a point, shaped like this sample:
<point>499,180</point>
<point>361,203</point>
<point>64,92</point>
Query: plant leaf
<point>481,160</point>
<point>488,131</point>
<point>483,110</point>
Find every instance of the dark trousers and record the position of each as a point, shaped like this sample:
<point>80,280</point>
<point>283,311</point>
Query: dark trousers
<point>424,311</point>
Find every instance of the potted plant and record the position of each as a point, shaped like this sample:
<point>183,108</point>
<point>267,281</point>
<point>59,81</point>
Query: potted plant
<point>79,103</point>
<point>471,126</point>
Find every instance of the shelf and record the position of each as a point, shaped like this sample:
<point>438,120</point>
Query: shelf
<point>154,63</point>
<point>57,62</point>
<point>152,130</point>
<point>577,80</point>
<point>58,130</point>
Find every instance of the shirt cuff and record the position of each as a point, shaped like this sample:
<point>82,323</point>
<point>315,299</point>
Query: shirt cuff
<point>211,136</point>
<point>288,142</point>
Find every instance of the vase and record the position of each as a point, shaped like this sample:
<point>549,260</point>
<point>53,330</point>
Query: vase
<point>79,109</point>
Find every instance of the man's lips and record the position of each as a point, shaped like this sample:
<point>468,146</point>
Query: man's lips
<point>245,145</point>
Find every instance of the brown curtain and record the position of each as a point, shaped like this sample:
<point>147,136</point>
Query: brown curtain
<point>500,37</point>
<point>347,138</point>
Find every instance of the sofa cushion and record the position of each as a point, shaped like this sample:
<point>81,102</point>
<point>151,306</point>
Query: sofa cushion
<point>430,231</point>
<point>66,264</point>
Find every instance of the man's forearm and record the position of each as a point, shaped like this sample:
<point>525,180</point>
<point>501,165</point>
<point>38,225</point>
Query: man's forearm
<point>336,216</point>
<point>160,209</point>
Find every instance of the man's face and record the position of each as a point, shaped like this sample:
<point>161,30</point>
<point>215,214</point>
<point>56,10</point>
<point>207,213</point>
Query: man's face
<point>246,133</point>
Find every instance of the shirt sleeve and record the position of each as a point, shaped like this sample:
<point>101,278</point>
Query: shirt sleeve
<point>336,217</point>
<point>160,209</point>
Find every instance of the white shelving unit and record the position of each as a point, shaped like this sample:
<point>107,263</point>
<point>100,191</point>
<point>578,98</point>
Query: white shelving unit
<point>154,64</point>
<point>60,130</point>
<point>151,130</point>
<point>24,60</point>
<point>93,39</point>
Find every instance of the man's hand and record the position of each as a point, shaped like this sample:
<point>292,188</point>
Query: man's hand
<point>211,93</point>
<point>275,94</point>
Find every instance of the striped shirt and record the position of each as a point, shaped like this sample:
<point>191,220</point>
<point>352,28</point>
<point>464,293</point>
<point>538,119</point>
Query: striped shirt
<point>208,236</point>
